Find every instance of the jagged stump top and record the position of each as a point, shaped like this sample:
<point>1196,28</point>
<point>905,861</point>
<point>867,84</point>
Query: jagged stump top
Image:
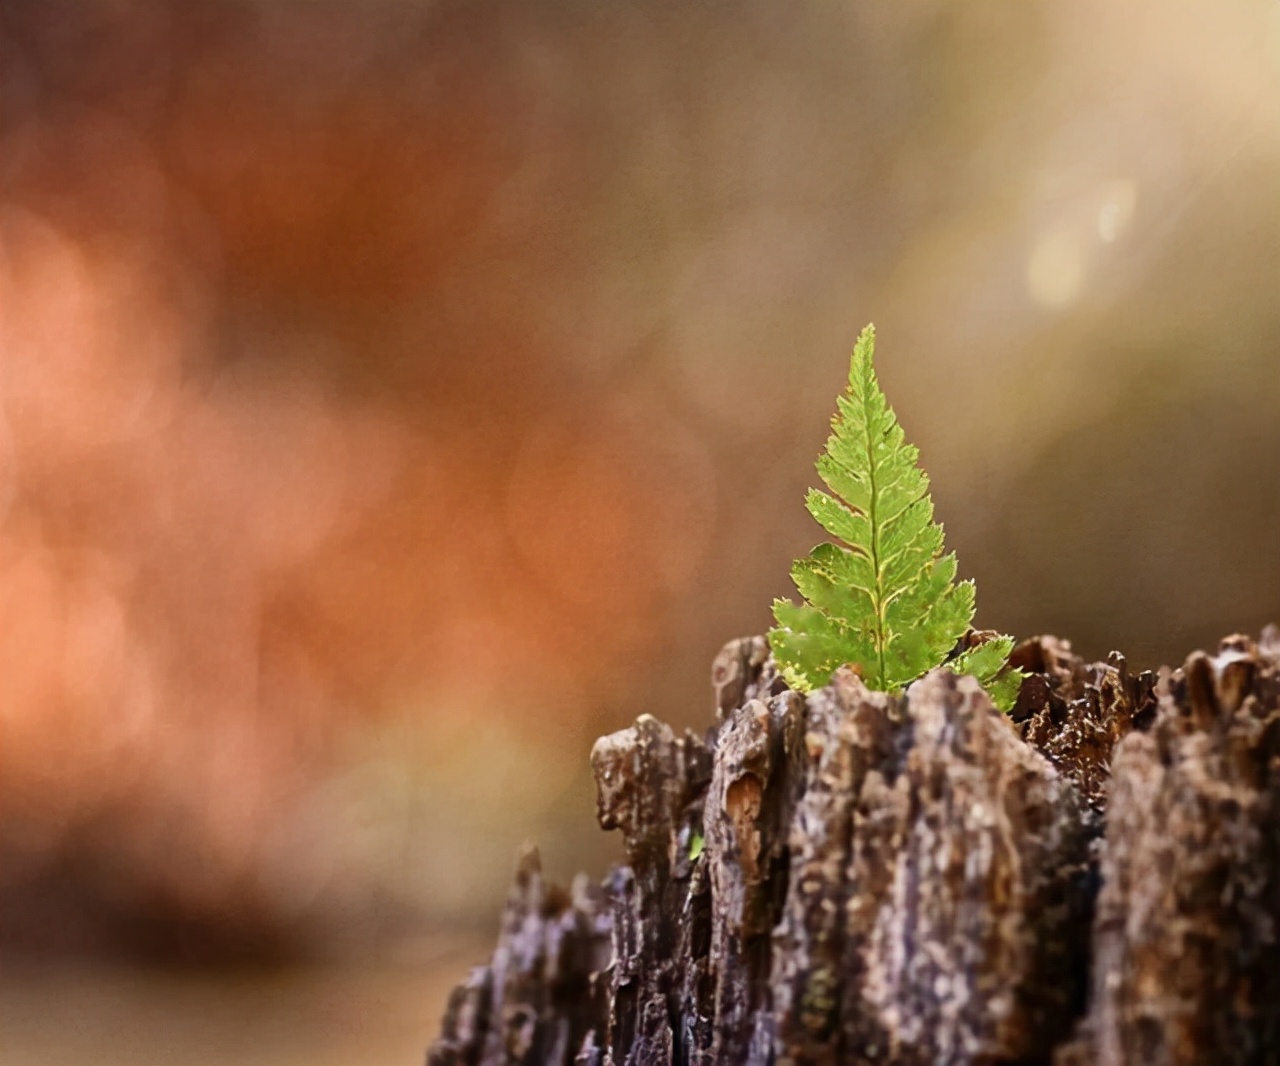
<point>852,877</point>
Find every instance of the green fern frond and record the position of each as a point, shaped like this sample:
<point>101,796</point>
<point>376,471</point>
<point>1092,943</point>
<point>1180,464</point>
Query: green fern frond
<point>988,662</point>
<point>885,600</point>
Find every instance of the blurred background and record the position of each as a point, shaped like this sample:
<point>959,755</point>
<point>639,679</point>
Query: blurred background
<point>397,394</point>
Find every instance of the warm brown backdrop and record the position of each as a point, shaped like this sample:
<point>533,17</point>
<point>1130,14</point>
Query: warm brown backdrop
<point>394,395</point>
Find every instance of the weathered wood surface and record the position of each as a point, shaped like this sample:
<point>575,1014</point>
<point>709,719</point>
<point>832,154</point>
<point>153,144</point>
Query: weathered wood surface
<point>917,881</point>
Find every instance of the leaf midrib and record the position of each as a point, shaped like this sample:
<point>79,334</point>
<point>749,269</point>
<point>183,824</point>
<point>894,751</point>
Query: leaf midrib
<point>875,537</point>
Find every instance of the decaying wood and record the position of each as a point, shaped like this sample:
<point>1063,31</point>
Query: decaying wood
<point>1187,938</point>
<point>857,878</point>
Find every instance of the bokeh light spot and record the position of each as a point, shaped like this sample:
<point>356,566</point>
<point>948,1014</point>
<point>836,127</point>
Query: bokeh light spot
<point>1055,270</point>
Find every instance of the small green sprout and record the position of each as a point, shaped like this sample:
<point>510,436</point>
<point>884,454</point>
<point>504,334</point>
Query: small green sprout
<point>885,599</point>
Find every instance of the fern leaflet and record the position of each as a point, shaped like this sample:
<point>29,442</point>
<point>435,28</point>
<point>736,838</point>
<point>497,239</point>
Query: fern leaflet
<point>884,600</point>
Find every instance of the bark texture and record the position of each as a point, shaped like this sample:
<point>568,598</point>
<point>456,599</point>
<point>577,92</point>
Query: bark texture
<point>851,877</point>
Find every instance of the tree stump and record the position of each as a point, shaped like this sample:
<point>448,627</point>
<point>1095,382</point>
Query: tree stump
<point>851,877</point>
